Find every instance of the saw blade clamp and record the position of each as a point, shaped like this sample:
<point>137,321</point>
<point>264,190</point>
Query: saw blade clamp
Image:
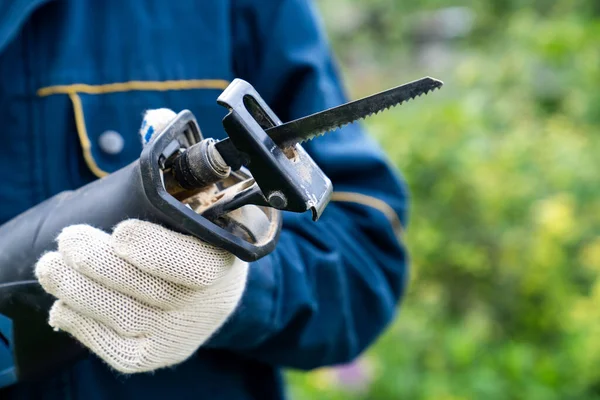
<point>287,178</point>
<point>230,192</point>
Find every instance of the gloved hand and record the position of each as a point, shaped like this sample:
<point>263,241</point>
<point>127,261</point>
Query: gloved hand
<point>143,297</point>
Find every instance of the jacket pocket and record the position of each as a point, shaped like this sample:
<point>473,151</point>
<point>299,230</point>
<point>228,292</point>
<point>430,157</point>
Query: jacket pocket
<point>107,117</point>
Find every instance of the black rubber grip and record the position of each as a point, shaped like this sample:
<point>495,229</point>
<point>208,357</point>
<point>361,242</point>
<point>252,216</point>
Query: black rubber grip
<point>102,204</point>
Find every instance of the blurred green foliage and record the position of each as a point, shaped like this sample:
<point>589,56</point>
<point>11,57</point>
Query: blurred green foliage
<point>504,169</point>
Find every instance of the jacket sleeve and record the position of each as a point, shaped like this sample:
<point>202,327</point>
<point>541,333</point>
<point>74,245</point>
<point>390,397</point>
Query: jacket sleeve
<point>330,287</point>
<point>8,373</point>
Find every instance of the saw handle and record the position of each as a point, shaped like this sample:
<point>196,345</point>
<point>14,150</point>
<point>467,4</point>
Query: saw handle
<point>102,204</point>
<point>135,191</point>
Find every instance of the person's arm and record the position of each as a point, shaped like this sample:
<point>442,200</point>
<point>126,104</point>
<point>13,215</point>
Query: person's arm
<point>330,287</point>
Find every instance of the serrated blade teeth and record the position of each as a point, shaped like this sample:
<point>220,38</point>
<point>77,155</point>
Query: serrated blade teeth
<point>318,124</point>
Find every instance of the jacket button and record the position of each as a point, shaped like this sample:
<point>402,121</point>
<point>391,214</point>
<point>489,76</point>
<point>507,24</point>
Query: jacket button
<point>111,142</point>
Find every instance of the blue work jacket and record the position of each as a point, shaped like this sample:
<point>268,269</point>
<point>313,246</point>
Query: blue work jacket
<point>75,78</point>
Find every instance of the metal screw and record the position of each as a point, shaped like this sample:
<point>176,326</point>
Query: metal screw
<point>277,200</point>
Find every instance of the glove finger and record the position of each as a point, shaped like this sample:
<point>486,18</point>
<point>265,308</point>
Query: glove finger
<point>126,315</point>
<point>88,250</point>
<point>170,255</point>
<point>125,354</point>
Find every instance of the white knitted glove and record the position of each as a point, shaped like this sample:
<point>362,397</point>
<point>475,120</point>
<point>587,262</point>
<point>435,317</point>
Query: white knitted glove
<point>143,297</point>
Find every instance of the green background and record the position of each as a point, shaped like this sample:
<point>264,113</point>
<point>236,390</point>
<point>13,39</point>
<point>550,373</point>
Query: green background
<point>504,169</point>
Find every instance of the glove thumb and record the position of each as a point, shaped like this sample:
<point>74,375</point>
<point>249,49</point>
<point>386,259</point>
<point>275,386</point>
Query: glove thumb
<point>154,122</point>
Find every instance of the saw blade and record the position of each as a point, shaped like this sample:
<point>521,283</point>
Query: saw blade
<point>309,127</point>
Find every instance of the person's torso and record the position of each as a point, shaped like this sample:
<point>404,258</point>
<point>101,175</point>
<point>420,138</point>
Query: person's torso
<point>75,79</point>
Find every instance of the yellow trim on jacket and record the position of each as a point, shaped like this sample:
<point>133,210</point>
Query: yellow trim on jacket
<point>133,85</point>
<point>373,202</point>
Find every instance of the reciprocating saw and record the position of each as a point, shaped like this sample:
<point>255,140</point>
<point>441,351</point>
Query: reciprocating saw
<point>228,193</point>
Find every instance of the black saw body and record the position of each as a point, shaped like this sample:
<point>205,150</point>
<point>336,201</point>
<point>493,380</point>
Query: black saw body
<point>227,193</point>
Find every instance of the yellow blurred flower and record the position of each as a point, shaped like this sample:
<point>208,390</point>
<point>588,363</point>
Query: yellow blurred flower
<point>556,215</point>
<point>322,379</point>
<point>589,256</point>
